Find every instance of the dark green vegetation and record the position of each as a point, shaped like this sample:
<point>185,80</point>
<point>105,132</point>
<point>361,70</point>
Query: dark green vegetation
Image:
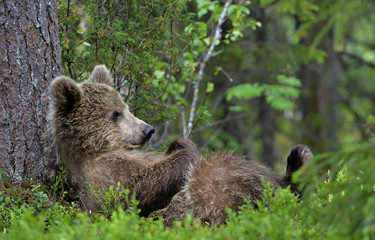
<point>281,72</point>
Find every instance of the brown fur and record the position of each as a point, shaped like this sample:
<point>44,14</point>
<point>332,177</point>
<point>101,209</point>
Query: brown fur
<point>95,137</point>
<point>225,181</point>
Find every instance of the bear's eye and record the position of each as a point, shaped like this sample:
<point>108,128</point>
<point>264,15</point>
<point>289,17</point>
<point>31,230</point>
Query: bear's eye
<point>115,115</point>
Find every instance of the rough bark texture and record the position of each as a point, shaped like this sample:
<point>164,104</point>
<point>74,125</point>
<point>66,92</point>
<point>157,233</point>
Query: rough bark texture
<point>29,60</point>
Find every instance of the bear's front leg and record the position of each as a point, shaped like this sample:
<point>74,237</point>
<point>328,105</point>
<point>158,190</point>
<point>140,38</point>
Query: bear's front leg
<point>156,185</point>
<point>180,144</point>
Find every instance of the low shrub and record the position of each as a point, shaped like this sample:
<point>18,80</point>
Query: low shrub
<point>337,204</point>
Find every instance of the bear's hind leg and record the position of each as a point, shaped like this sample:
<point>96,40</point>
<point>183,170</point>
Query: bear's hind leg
<point>298,157</point>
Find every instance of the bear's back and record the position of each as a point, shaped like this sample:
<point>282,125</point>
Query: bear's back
<point>225,181</point>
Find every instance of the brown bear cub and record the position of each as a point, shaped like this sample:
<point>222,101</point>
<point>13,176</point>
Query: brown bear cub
<point>96,140</point>
<point>95,137</point>
<point>225,180</point>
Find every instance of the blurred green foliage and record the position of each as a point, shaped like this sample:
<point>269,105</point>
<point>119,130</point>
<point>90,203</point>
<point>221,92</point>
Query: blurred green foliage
<point>276,95</point>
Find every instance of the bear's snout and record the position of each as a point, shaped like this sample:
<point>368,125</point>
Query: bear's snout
<point>147,133</point>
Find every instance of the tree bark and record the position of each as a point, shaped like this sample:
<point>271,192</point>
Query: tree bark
<point>318,105</point>
<point>30,57</point>
<point>266,117</point>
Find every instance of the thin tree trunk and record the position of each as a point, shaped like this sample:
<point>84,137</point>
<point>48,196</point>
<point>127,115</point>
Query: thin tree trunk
<point>266,117</point>
<point>29,60</point>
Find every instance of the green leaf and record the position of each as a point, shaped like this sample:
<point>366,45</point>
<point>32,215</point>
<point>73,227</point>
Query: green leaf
<point>202,12</point>
<point>207,41</point>
<point>245,91</point>
<point>292,81</point>
<point>279,96</point>
<point>80,31</point>
<point>210,87</point>
<point>280,103</point>
<point>231,9</point>
<point>217,70</point>
<point>159,74</point>
<point>155,82</point>
<point>87,44</point>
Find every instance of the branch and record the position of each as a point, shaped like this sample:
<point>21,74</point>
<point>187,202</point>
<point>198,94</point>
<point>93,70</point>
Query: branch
<point>207,57</point>
<point>184,131</point>
<point>226,74</point>
<point>359,59</point>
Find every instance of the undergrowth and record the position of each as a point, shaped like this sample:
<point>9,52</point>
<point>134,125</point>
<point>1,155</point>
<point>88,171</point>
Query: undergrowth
<point>338,204</point>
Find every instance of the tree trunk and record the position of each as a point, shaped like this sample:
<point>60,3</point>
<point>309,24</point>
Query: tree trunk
<point>266,118</point>
<point>318,105</point>
<point>30,57</point>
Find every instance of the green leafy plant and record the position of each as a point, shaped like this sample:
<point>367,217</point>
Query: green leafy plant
<point>279,96</point>
<point>15,199</point>
<point>113,198</point>
<point>57,190</point>
<point>344,197</point>
<point>337,205</point>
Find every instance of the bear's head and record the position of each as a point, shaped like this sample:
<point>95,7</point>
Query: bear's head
<point>91,117</point>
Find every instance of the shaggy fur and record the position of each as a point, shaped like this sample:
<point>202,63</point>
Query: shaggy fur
<point>225,180</point>
<point>95,137</point>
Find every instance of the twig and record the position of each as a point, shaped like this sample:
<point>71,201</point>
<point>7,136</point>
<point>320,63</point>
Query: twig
<point>202,67</point>
<point>70,70</point>
<point>217,53</point>
<point>226,74</point>
<point>357,58</point>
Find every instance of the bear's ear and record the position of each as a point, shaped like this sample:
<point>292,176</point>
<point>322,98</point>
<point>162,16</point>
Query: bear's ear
<point>65,93</point>
<point>101,75</point>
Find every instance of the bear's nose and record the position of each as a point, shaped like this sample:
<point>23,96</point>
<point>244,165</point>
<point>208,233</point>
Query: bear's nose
<point>148,132</point>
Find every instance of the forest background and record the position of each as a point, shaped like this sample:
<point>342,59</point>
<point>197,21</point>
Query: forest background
<point>280,73</point>
<point>254,77</point>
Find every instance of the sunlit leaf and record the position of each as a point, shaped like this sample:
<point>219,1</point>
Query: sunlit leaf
<point>159,74</point>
